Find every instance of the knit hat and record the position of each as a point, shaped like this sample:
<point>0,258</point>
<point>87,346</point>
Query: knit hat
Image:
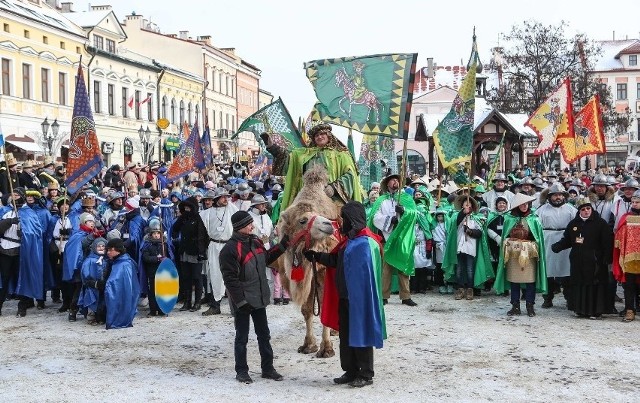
<point>240,219</point>
<point>117,244</point>
<point>84,217</point>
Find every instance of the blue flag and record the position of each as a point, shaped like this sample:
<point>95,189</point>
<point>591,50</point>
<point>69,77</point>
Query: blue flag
<point>205,143</point>
<point>198,158</point>
<point>85,158</point>
<point>185,160</point>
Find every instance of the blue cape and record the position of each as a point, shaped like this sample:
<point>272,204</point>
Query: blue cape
<point>121,293</point>
<point>48,222</point>
<point>30,280</point>
<point>91,271</point>
<point>72,257</point>
<point>365,318</point>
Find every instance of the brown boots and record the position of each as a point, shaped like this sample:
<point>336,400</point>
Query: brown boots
<point>629,316</point>
<point>462,293</point>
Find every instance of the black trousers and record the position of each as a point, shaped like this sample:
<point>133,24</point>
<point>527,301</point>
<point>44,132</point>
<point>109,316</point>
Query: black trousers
<point>554,283</point>
<point>56,266</point>
<point>630,291</point>
<point>261,327</point>
<point>9,271</point>
<point>151,281</point>
<point>355,361</point>
<point>191,273</point>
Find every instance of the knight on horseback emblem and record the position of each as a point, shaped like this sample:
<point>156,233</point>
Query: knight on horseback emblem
<point>356,91</point>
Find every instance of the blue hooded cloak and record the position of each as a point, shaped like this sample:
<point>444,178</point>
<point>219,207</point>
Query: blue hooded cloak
<point>121,293</point>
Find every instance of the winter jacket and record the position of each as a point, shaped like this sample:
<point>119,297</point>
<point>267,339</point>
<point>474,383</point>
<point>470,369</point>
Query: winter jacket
<point>152,248</point>
<point>243,263</point>
<point>194,239</point>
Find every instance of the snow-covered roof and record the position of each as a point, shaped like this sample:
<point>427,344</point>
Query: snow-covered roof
<point>450,76</point>
<point>610,59</point>
<point>43,14</point>
<point>86,19</point>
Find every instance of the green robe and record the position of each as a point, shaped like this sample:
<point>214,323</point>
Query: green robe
<point>501,284</point>
<point>275,210</point>
<point>483,268</point>
<point>399,247</point>
<point>340,168</point>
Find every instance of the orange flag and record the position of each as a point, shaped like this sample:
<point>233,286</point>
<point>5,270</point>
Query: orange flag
<point>588,134</point>
<point>554,118</point>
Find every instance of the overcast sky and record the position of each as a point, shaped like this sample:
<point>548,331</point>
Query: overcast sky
<point>279,36</point>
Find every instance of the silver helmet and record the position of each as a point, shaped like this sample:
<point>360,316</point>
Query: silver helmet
<point>631,183</point>
<point>600,179</point>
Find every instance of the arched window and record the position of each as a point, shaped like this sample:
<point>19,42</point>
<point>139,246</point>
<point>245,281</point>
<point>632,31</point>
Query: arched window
<point>181,113</point>
<point>189,114</point>
<point>173,111</point>
<point>164,106</point>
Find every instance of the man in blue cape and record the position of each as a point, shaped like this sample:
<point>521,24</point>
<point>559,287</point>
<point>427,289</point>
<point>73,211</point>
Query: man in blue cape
<point>121,286</point>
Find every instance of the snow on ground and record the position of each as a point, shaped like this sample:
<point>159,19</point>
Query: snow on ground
<point>441,350</point>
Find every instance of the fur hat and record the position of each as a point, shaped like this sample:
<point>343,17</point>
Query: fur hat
<point>582,201</point>
<point>85,217</point>
<point>317,128</point>
<point>240,219</point>
<point>117,244</point>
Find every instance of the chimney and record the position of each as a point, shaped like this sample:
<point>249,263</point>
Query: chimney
<point>53,4</point>
<point>100,8</point>
<point>206,39</point>
<point>430,67</point>
<point>66,7</point>
<point>172,35</point>
<point>184,34</point>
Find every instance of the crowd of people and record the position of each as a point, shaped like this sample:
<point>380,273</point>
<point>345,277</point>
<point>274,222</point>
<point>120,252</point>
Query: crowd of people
<point>96,253</point>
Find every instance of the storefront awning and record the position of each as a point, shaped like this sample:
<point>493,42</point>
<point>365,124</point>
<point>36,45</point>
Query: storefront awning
<point>27,146</point>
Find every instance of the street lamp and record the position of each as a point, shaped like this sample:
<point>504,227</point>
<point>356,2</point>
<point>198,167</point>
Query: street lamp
<point>145,138</point>
<point>50,138</point>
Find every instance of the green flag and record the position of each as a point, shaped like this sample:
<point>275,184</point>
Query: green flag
<point>453,138</point>
<point>275,120</point>
<point>370,94</point>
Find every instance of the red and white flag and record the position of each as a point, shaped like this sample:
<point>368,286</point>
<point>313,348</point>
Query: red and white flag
<point>147,99</point>
<point>130,102</point>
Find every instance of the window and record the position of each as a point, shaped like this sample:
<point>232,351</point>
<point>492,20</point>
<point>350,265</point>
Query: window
<point>164,107</point>
<point>633,60</point>
<point>62,88</point>
<point>26,81</point>
<point>62,45</point>
<point>220,121</point>
<point>198,113</point>
<point>149,107</point>
<point>111,46</point>
<point>220,82</point>
<point>227,86</point>
<point>233,124</point>
<point>6,77</point>
<point>602,88</point>
<point>638,91</point>
<point>125,100</point>
<point>111,98</point>
<point>137,104</point>
<point>26,34</point>
<point>6,27</point>
<point>621,91</point>
<point>233,86</point>
<point>189,114</point>
<point>181,113</point>
<point>45,40</point>
<point>98,42</point>
<point>44,76</point>
<point>213,119</point>
<point>173,111</point>
<point>227,121</point>
<point>78,49</point>
<point>96,97</point>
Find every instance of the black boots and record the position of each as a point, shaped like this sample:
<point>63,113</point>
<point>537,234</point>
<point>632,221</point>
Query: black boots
<point>213,310</point>
<point>515,309</point>
<point>185,307</point>
<point>72,315</point>
<point>195,307</point>
<point>548,301</point>
<point>530,310</point>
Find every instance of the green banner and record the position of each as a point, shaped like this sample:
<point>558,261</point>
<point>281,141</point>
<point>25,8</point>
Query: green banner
<point>370,94</point>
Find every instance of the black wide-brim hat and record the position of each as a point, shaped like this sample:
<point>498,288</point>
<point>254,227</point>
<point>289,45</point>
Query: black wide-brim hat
<point>385,181</point>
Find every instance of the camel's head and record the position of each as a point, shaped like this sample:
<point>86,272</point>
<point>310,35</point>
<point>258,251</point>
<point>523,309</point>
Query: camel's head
<point>308,228</point>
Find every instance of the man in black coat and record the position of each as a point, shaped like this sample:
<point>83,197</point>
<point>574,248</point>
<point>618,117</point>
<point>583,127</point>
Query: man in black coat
<point>243,263</point>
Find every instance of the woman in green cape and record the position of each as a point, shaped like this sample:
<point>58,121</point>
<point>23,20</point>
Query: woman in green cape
<point>522,257</point>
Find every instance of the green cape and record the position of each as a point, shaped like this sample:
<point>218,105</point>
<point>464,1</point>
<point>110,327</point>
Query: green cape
<point>398,249</point>
<point>340,167</point>
<point>501,284</point>
<point>483,268</point>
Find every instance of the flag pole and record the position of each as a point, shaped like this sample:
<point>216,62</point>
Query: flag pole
<point>403,166</point>
<point>13,202</point>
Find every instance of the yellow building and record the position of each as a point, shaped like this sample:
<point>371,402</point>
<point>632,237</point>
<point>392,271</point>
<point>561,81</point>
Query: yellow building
<point>39,51</point>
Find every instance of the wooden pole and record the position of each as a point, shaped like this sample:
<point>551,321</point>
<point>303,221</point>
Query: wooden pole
<point>403,168</point>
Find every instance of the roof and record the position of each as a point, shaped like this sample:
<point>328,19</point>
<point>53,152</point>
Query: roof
<point>44,14</point>
<point>450,76</point>
<point>26,145</point>
<point>87,19</point>
<point>611,50</point>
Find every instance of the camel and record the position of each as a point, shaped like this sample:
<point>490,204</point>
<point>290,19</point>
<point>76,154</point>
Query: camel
<point>308,221</point>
